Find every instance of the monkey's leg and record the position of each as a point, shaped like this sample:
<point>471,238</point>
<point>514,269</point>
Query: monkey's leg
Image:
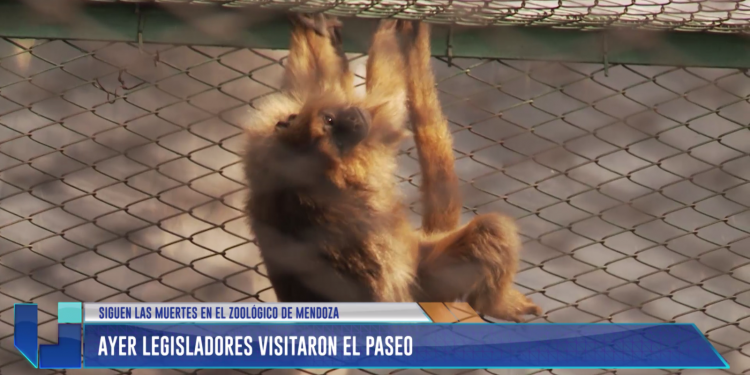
<point>479,261</point>
<point>316,60</point>
<point>440,194</point>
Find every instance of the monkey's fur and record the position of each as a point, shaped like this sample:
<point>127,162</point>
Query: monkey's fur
<point>323,202</point>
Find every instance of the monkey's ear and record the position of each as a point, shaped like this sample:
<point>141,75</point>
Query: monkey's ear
<point>390,135</point>
<point>376,106</point>
<point>396,136</point>
<point>283,124</point>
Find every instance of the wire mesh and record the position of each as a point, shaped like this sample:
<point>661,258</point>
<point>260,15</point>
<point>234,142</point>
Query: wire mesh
<point>686,15</point>
<point>120,181</point>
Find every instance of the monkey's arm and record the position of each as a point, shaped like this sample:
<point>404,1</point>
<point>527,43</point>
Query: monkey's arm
<point>385,63</point>
<point>316,60</point>
<point>478,261</point>
<point>386,83</point>
<point>300,67</point>
<point>440,194</point>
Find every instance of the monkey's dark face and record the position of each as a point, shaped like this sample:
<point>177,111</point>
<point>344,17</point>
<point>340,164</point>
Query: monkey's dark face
<point>337,129</point>
<point>332,139</point>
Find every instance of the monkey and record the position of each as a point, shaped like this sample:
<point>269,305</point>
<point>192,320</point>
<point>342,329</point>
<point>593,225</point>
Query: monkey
<point>319,165</point>
<point>323,203</point>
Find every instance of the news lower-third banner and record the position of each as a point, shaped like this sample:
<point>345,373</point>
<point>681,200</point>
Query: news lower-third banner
<point>345,335</point>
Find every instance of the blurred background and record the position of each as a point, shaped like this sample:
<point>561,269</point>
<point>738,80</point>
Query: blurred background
<point>625,157</point>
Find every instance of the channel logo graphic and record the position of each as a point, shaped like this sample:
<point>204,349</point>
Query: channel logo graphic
<point>66,354</point>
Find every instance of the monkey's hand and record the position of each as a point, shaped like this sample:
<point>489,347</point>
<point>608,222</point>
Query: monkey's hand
<point>328,27</point>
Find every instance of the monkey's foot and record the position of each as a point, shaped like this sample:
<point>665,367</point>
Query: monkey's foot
<point>512,307</point>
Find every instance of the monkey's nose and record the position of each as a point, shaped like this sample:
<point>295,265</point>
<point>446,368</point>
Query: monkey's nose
<point>351,127</point>
<point>364,118</point>
<point>356,119</point>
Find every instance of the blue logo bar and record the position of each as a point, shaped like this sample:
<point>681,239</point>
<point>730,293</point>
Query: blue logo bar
<point>66,354</point>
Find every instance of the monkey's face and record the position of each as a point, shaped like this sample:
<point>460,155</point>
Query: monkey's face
<point>331,138</point>
<point>334,130</point>
<point>336,139</point>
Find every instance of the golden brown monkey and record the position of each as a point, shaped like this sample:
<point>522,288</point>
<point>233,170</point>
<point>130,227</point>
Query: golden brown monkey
<point>323,202</point>
<point>320,163</point>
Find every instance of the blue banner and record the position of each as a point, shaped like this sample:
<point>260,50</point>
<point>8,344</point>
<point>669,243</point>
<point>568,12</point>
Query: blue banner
<point>398,346</point>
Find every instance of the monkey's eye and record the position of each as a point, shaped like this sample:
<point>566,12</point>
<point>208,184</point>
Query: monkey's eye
<point>329,120</point>
<point>282,125</point>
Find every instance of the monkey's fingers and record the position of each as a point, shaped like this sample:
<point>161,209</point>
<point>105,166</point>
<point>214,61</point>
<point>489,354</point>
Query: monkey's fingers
<point>334,23</point>
<point>531,308</point>
<point>329,27</point>
<point>405,26</point>
<point>513,307</point>
<point>389,24</point>
<point>316,21</point>
<point>333,29</point>
<point>407,30</point>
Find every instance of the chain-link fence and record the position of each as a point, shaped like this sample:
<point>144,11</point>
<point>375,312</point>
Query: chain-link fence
<point>686,15</point>
<point>120,181</point>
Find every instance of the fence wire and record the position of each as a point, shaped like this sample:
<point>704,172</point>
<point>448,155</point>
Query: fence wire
<point>120,181</point>
<point>685,15</point>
